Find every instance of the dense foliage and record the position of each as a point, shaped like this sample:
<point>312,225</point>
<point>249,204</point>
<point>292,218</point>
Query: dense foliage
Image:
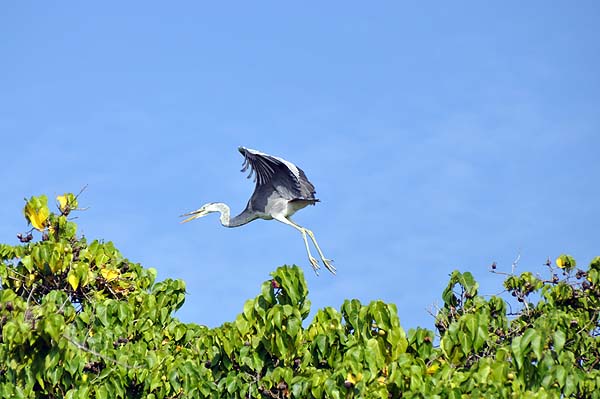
<point>78,320</point>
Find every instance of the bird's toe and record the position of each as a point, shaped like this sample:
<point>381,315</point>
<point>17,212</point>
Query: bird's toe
<point>314,264</point>
<point>329,266</point>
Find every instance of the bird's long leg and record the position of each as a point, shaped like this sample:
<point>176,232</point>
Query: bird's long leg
<point>302,230</point>
<point>326,262</point>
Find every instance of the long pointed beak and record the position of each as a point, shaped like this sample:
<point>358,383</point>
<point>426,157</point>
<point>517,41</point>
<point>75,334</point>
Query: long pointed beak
<point>193,215</point>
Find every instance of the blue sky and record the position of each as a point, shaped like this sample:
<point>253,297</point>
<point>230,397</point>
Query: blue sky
<point>438,136</point>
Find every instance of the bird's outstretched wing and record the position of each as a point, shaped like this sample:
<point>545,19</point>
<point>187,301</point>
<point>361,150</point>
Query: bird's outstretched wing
<point>270,169</point>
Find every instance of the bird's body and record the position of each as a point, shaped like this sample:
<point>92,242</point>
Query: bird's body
<point>281,190</point>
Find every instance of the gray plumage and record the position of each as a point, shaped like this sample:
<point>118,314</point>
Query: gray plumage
<point>281,190</point>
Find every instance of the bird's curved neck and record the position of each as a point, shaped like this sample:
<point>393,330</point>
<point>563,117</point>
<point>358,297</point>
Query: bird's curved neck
<point>236,221</point>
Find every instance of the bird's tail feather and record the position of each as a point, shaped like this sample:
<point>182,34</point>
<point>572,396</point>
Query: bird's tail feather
<point>311,201</point>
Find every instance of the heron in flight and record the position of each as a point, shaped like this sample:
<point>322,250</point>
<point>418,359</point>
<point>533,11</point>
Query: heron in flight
<point>281,190</point>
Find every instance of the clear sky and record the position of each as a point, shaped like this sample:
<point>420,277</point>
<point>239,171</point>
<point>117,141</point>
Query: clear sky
<point>439,135</point>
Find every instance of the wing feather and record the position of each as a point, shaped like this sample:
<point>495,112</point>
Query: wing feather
<point>270,169</point>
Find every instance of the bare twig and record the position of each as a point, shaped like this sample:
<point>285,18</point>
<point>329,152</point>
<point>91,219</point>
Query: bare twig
<point>433,309</point>
<point>62,307</point>
<point>31,293</point>
<point>81,191</point>
<point>515,262</point>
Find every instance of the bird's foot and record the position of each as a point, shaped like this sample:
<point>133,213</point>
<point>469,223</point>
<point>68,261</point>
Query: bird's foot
<point>315,264</point>
<point>328,265</point>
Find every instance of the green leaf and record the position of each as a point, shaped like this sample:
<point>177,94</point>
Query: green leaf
<point>28,263</point>
<point>53,325</point>
<point>180,331</point>
<point>526,339</point>
<point>559,339</point>
<point>231,383</point>
<point>595,263</point>
<point>469,283</point>
<point>517,352</point>
<point>471,322</point>
<point>102,392</point>
<point>331,389</point>
<point>561,375</point>
<point>465,343</point>
<point>570,385</point>
<point>536,345</point>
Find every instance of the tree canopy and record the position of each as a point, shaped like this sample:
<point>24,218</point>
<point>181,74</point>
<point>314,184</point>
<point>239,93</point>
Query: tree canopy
<point>80,320</point>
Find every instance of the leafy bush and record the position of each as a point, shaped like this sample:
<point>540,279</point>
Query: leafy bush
<point>78,320</point>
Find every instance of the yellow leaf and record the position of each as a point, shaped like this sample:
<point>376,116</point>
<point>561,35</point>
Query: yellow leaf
<point>566,262</point>
<point>62,202</point>
<point>109,274</point>
<point>37,217</point>
<point>73,280</point>
<point>351,379</point>
<point>381,380</point>
<point>432,369</point>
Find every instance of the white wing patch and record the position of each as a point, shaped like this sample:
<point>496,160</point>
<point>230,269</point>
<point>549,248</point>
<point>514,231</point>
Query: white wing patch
<point>291,167</point>
<point>288,164</point>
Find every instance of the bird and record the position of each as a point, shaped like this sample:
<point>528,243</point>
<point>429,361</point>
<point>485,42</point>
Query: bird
<point>281,190</point>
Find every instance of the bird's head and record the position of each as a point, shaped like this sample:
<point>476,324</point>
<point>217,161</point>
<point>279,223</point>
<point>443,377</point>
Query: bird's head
<point>203,211</point>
